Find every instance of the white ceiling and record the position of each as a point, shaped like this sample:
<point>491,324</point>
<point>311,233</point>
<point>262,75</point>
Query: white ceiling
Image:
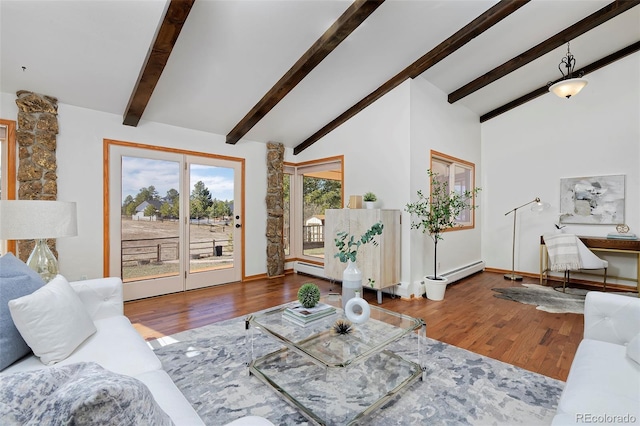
<point>89,53</point>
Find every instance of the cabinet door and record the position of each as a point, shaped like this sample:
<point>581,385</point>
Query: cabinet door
<point>336,220</point>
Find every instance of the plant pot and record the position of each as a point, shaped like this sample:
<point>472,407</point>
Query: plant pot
<point>370,204</point>
<point>435,288</point>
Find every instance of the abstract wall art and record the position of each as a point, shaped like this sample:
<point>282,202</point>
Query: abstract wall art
<point>597,200</point>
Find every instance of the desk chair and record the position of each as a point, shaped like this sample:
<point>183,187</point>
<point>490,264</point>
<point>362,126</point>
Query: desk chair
<point>588,261</point>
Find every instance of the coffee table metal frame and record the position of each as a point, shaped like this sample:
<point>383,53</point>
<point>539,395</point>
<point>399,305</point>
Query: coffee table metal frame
<point>336,355</point>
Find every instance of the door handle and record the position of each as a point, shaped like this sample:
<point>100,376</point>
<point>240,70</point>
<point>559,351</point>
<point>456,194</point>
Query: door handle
<point>238,225</point>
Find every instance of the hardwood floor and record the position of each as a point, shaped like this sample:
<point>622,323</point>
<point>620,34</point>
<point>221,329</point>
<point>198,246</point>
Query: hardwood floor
<point>469,317</point>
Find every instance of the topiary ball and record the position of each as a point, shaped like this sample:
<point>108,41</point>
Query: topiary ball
<point>309,295</point>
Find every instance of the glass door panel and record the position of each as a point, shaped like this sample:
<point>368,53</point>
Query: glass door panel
<point>214,231</point>
<point>174,220</point>
<point>150,225</point>
<point>320,191</point>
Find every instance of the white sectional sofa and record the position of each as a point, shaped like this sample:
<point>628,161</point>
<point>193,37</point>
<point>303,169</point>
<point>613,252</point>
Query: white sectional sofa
<point>117,347</point>
<point>603,385</point>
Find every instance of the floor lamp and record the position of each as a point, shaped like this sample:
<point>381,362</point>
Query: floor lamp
<point>538,206</point>
<point>38,220</point>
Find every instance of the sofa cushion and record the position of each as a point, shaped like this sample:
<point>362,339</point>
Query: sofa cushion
<point>83,393</point>
<point>52,320</point>
<point>116,346</point>
<point>602,381</point>
<point>16,280</point>
<point>633,349</point>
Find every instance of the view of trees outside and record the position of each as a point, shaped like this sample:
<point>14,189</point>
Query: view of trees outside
<point>318,195</point>
<point>202,206</point>
<point>150,237</point>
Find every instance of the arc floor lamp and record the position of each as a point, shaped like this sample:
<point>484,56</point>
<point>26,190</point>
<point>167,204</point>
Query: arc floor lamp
<point>537,207</point>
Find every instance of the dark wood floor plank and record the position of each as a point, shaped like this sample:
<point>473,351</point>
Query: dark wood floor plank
<point>470,317</point>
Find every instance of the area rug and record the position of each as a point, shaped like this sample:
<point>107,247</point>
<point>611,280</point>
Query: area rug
<point>208,365</point>
<point>547,299</point>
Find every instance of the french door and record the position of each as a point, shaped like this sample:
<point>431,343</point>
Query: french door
<point>175,219</point>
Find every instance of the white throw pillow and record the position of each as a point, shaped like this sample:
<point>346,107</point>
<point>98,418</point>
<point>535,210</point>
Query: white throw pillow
<point>633,349</point>
<point>52,320</point>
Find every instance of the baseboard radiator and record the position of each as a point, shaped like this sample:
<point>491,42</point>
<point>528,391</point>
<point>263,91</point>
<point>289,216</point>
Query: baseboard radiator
<point>464,271</point>
<point>309,269</point>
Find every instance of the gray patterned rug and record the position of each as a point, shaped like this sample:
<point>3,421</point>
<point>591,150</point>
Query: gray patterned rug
<point>549,299</point>
<point>208,366</point>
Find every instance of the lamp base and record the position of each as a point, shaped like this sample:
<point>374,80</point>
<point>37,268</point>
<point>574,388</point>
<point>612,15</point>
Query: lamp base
<point>513,277</point>
<point>43,261</point>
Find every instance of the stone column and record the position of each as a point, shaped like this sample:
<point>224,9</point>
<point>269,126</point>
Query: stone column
<point>275,210</point>
<point>36,139</point>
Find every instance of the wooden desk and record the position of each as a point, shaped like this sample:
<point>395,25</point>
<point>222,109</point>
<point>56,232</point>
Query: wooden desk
<point>599,244</point>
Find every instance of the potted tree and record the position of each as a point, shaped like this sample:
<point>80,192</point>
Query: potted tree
<point>435,214</point>
<point>369,199</point>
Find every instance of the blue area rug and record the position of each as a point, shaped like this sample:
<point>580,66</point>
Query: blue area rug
<point>208,365</point>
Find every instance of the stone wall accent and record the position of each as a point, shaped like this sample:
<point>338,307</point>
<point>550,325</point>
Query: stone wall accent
<point>37,165</point>
<point>275,209</point>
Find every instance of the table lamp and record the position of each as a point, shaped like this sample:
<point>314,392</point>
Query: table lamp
<point>38,220</point>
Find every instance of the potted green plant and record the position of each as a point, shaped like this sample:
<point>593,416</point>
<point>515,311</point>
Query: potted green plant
<point>435,214</point>
<point>348,247</point>
<point>369,199</point>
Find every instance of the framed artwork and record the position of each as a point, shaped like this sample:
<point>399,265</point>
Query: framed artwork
<point>597,200</point>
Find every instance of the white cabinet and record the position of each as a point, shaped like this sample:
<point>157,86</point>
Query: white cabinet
<point>380,263</point>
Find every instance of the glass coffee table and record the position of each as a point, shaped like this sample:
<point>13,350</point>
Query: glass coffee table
<point>336,379</point>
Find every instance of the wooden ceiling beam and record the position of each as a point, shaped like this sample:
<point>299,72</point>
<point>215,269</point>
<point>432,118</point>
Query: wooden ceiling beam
<point>157,57</point>
<point>590,22</point>
<point>351,19</point>
<point>470,31</point>
<point>545,89</point>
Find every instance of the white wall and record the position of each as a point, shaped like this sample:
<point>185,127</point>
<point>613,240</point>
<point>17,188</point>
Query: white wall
<point>375,145</point>
<point>79,154</point>
<point>527,150</point>
<point>386,149</point>
<point>455,131</point>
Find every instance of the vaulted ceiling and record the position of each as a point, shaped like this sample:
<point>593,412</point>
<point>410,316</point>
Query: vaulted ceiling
<point>291,71</point>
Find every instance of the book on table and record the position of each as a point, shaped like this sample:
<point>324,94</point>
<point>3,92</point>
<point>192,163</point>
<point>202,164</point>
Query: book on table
<point>302,316</point>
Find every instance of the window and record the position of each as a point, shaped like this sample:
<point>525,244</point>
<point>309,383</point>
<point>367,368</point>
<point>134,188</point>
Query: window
<point>7,171</point>
<point>310,189</point>
<point>460,176</point>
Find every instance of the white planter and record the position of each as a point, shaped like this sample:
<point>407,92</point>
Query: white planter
<point>351,282</point>
<point>370,204</point>
<point>435,288</point>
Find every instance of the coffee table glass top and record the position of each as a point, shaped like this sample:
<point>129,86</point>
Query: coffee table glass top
<point>318,340</point>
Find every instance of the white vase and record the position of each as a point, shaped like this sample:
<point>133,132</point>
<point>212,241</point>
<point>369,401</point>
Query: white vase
<point>435,288</point>
<point>351,282</point>
<point>357,309</point>
<point>370,204</point>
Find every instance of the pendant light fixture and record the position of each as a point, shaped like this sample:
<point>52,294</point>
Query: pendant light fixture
<point>568,86</point>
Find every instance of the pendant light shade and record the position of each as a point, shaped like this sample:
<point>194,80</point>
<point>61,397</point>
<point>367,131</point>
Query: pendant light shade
<point>568,86</point>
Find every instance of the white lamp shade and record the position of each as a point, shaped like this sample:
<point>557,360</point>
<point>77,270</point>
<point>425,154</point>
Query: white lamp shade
<point>568,88</point>
<point>34,219</point>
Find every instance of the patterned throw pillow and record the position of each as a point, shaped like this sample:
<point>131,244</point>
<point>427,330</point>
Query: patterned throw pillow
<point>80,394</point>
<point>16,280</point>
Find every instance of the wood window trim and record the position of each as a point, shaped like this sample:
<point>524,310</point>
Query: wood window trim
<point>296,255</point>
<point>108,143</point>
<point>454,160</point>
<point>11,169</point>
